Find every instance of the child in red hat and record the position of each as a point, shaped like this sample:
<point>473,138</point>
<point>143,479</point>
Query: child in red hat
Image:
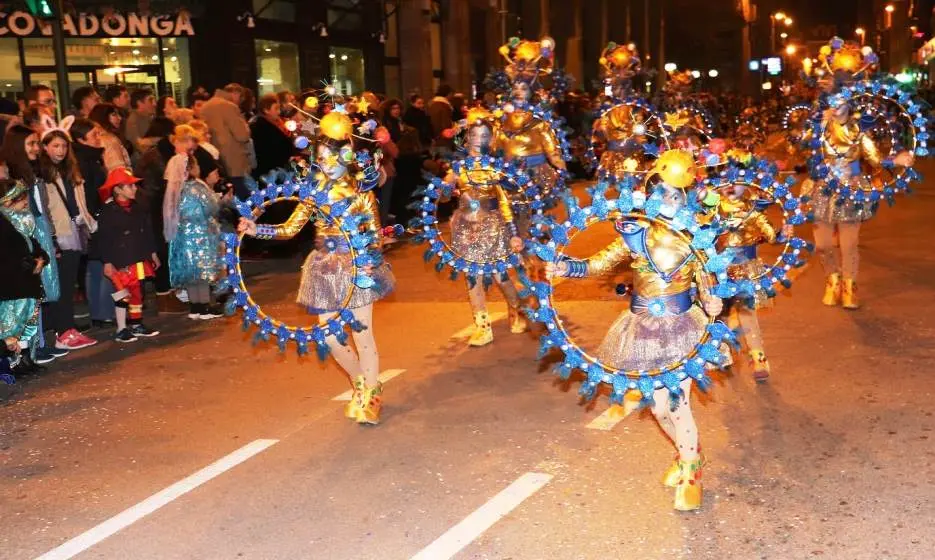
<point>128,250</point>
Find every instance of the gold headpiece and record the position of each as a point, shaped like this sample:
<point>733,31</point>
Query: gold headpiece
<point>527,60</point>
<point>620,61</point>
<point>477,116</point>
<point>336,126</point>
<point>679,82</point>
<point>839,56</point>
<point>18,190</point>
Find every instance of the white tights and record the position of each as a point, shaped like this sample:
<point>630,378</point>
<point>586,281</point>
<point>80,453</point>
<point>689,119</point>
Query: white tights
<point>366,360</point>
<point>749,324</point>
<point>844,260</point>
<point>678,424</point>
<point>479,298</point>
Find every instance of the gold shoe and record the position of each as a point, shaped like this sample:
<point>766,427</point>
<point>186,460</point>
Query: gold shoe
<point>355,405</point>
<point>760,365</point>
<point>688,488</point>
<point>832,295</point>
<point>518,324</point>
<point>849,295</point>
<point>372,403</point>
<point>483,333</point>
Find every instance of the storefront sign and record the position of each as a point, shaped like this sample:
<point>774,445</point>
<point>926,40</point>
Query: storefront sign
<point>23,24</point>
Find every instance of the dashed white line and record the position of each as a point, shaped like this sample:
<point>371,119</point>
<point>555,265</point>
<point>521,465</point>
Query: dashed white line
<point>133,514</point>
<point>607,420</point>
<point>484,517</point>
<point>466,331</point>
<point>384,377</point>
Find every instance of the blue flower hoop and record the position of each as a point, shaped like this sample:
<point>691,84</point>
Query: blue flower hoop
<point>864,94</point>
<point>426,224</point>
<point>359,236</point>
<point>653,121</point>
<point>701,239</point>
<point>760,175</point>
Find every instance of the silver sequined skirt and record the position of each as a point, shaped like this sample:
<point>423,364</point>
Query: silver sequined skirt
<point>827,210</point>
<point>327,286</point>
<point>751,269</point>
<point>480,235</point>
<point>644,342</point>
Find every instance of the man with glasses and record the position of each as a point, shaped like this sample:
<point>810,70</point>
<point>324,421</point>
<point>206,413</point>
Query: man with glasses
<point>42,97</point>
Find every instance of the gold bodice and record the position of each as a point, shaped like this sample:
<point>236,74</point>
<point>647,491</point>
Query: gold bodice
<point>662,262</point>
<point>343,188</point>
<point>754,228</point>
<point>845,141</point>
<point>521,134</point>
<point>483,184</point>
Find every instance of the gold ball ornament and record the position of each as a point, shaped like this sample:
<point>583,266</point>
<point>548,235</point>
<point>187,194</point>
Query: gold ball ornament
<point>336,126</point>
<point>676,168</point>
<point>311,102</point>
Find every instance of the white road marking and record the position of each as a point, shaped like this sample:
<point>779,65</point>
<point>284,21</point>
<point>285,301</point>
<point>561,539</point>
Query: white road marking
<point>607,420</point>
<point>133,514</point>
<point>466,331</point>
<point>384,377</point>
<point>484,517</point>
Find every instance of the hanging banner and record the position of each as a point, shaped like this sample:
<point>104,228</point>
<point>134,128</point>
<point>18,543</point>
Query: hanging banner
<point>23,24</point>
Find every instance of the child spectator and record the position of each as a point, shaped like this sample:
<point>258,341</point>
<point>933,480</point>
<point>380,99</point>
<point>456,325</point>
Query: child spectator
<point>22,260</point>
<point>128,250</point>
<point>194,262</point>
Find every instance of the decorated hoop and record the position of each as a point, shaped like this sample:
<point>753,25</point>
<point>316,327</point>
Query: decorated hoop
<point>699,112</point>
<point>795,121</point>
<point>760,176</point>
<point>868,94</point>
<point>358,238</point>
<point>511,179</point>
<point>684,224</point>
<point>651,123</point>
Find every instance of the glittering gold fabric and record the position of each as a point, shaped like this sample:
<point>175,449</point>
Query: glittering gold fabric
<point>642,341</point>
<point>364,203</point>
<point>326,281</point>
<point>522,135</point>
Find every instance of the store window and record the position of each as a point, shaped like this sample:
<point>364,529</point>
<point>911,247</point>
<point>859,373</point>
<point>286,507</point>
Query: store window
<point>11,75</point>
<point>347,70</point>
<point>177,68</point>
<point>277,66</point>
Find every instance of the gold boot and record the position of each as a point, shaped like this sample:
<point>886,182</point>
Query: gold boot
<point>688,488</point>
<point>355,405</point>
<point>483,333</point>
<point>671,476</point>
<point>832,295</point>
<point>518,324</point>
<point>849,295</point>
<point>372,403</point>
<point>760,365</point>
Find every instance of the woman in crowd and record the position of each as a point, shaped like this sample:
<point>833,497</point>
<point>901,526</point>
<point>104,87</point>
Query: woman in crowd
<point>72,225</point>
<point>107,116</point>
<point>387,135</point>
<point>272,140</point>
<point>417,118</point>
<point>89,154</point>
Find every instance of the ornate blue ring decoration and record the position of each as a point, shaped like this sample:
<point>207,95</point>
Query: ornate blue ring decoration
<point>760,175</point>
<point>794,135</point>
<point>630,204</point>
<point>358,237</point>
<point>653,116</point>
<point>511,179</point>
<point>864,93</point>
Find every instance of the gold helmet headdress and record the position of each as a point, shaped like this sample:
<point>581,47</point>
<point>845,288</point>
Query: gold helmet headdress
<point>841,58</point>
<point>620,62</point>
<point>528,60</point>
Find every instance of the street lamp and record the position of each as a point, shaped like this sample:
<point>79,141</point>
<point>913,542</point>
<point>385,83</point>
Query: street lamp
<point>889,9</point>
<point>787,21</point>
<point>696,74</point>
<point>712,73</point>
<point>862,33</point>
<point>773,18</point>
<point>670,67</point>
<point>783,35</point>
<point>790,50</point>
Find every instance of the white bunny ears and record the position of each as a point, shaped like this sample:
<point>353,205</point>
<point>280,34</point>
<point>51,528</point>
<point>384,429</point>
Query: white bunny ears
<point>47,126</point>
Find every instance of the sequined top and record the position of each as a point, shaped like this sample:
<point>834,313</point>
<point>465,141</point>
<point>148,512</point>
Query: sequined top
<point>340,189</point>
<point>662,262</point>
<point>843,143</point>
<point>482,185</point>
<point>521,134</point>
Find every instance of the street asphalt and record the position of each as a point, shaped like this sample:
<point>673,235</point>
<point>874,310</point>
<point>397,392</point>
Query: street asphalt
<point>830,459</point>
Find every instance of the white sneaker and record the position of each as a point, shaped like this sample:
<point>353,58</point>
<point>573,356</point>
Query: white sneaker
<point>182,295</point>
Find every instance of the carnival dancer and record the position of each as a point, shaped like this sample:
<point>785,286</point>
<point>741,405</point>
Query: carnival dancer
<point>628,131</point>
<point>850,156</point>
<point>483,228</point>
<point>327,275</point>
<point>525,133</point>
<point>666,317</point>
<point>690,124</point>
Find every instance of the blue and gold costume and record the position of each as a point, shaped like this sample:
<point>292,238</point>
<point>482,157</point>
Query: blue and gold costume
<point>193,252</point>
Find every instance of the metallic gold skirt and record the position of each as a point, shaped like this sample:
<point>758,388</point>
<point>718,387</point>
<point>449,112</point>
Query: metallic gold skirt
<point>644,342</point>
<point>327,286</point>
<point>480,235</point>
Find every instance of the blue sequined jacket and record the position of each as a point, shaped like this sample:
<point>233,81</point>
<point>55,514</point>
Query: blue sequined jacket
<point>194,252</point>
